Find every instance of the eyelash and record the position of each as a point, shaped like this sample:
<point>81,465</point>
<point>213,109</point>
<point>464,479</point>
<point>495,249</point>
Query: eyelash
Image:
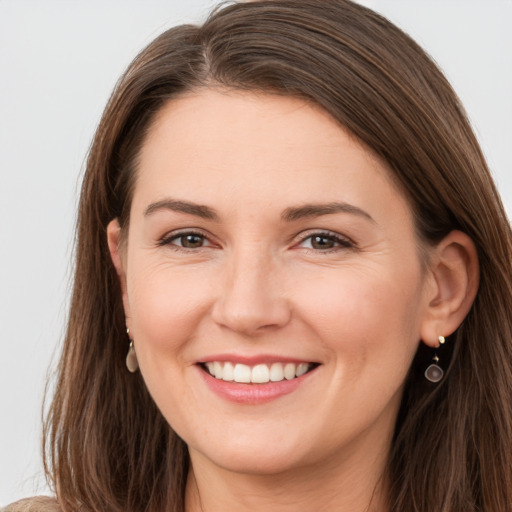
<point>169,239</point>
<point>342,242</point>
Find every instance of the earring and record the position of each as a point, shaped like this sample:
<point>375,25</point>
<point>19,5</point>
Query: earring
<point>131,358</point>
<point>434,373</point>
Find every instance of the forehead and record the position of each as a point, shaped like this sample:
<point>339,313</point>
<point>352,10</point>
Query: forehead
<point>249,122</point>
<point>223,147</point>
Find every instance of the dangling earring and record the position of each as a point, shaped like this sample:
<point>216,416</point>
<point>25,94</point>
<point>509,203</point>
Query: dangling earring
<point>131,358</point>
<point>434,373</point>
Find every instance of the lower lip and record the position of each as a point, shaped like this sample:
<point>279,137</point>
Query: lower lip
<point>252,393</point>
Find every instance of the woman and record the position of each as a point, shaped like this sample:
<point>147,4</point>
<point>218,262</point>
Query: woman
<point>293,286</point>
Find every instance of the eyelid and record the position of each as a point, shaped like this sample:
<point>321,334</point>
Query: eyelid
<point>344,241</point>
<point>167,239</point>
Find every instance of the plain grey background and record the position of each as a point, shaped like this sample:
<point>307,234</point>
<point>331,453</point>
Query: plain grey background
<point>58,63</point>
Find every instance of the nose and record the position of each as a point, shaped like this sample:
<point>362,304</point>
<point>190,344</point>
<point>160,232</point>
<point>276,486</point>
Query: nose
<point>252,298</point>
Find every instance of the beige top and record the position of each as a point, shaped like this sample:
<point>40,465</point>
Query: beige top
<point>35,504</point>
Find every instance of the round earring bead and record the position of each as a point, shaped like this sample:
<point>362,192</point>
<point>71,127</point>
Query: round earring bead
<point>434,373</point>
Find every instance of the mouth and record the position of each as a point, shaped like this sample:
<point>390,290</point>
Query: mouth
<point>256,374</point>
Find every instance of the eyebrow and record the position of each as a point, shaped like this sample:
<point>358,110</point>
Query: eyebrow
<point>199,210</point>
<point>317,210</point>
<point>289,214</point>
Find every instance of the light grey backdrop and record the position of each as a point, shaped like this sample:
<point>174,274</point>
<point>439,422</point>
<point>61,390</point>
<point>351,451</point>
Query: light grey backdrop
<point>58,63</point>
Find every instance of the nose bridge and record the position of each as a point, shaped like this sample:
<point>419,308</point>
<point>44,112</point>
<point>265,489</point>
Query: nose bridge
<point>252,295</point>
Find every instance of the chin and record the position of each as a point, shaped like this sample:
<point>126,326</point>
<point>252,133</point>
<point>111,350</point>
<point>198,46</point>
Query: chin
<point>264,462</point>
<point>258,453</point>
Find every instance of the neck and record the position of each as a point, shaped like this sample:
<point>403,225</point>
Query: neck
<point>354,485</point>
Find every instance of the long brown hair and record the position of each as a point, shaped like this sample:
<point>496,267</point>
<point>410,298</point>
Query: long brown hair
<point>107,445</point>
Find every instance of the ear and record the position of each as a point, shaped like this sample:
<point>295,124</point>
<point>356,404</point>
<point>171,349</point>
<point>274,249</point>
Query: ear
<point>118,256</point>
<point>455,272</point>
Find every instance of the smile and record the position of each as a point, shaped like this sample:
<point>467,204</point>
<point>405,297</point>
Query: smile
<point>257,374</point>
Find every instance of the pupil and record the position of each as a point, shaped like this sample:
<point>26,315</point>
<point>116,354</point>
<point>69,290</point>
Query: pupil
<point>192,241</point>
<point>322,242</point>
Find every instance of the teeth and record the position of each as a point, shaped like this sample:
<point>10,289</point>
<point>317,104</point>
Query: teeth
<point>242,373</point>
<point>218,370</point>
<point>276,372</point>
<point>259,374</point>
<point>289,371</point>
<point>228,372</point>
<point>301,369</point>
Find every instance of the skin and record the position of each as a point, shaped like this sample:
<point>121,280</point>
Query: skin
<point>252,283</point>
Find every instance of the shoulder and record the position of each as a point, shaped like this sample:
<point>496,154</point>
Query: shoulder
<point>35,504</point>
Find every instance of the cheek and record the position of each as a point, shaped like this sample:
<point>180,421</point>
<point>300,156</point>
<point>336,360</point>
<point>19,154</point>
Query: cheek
<point>165,304</point>
<point>368,324</point>
<point>368,318</point>
<point>361,298</point>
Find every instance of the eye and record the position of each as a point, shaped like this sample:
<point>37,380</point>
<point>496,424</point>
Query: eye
<point>187,240</point>
<point>325,242</point>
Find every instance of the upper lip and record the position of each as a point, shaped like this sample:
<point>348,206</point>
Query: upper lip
<point>253,359</point>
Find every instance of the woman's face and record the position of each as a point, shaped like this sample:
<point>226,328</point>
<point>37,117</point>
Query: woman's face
<point>265,242</point>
